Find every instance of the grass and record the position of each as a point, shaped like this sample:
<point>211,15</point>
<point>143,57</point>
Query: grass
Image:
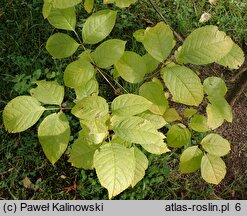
<point>25,173</point>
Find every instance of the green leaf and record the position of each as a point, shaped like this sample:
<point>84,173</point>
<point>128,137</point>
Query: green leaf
<point>214,86</point>
<point>171,115</point>
<point>61,45</point>
<point>154,93</point>
<point>218,111</point>
<point>204,45</point>
<point>88,5</point>
<point>93,112</point>
<point>131,67</point>
<point>157,120</point>
<point>139,35</point>
<point>157,148</point>
<point>188,112</point>
<point>213,169</point>
<point>21,113</point>
<point>54,135</point>
<point>48,92</point>
<point>90,88</point>
<point>159,41</point>
<point>115,167</point>
<point>129,104</point>
<point>78,73</point>
<point>64,3</point>
<point>234,59</point>
<point>90,108</point>
<point>190,159</point>
<point>47,6</point>
<point>98,26</point>
<point>199,123</point>
<point>178,136</point>
<point>141,164</point>
<point>118,140</point>
<point>184,85</point>
<point>109,52</point>
<point>216,145</point>
<point>138,130</point>
<point>63,18</point>
<point>82,153</point>
<point>86,55</point>
<point>151,63</point>
<point>120,3</point>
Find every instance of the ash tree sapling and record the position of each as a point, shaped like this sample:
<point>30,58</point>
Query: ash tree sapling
<point>114,133</point>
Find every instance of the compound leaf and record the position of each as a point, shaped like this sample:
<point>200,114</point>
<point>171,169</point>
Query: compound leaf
<point>109,52</point>
<point>54,135</point>
<point>78,73</point>
<point>61,45</point>
<point>115,166</point>
<point>48,92</point>
<point>213,169</point>
<point>190,159</point>
<point>216,145</point>
<point>159,41</point>
<point>21,113</point>
<point>129,105</point>
<point>131,67</point>
<point>184,85</point>
<point>98,26</point>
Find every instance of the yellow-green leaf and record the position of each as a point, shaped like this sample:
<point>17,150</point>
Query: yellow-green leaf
<point>131,67</point>
<point>54,135</point>
<point>213,169</point>
<point>188,112</point>
<point>159,41</point>
<point>129,104</point>
<point>61,45</point>
<point>178,136</point>
<point>82,152</point>
<point>203,46</point>
<point>64,3</point>
<point>98,26</point>
<point>63,18</point>
<point>141,164</point>
<point>109,52</point>
<point>120,3</point>
<point>90,88</point>
<point>157,120</point>
<point>184,85</point>
<point>48,92</point>
<point>21,113</point>
<point>115,166</point>
<point>190,159</point>
<point>199,123</point>
<point>233,59</point>
<point>154,93</point>
<point>88,5</point>
<point>156,148</point>
<point>216,145</point>
<point>78,73</point>
<point>138,130</point>
<point>214,87</point>
<point>171,115</point>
